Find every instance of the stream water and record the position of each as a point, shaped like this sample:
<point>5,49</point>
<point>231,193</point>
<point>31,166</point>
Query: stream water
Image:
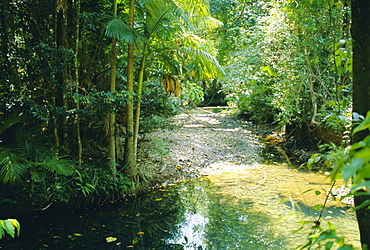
<point>244,206</point>
<point>257,207</point>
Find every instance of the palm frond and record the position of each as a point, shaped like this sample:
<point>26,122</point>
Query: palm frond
<point>193,7</point>
<point>205,63</point>
<point>198,12</point>
<point>118,29</point>
<point>171,64</point>
<point>32,147</point>
<point>207,22</point>
<point>12,166</point>
<point>56,164</point>
<point>8,120</point>
<point>164,18</point>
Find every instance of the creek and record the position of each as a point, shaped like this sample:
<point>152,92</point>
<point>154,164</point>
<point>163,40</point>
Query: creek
<point>250,205</point>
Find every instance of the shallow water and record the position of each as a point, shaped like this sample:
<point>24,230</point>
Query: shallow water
<point>249,207</point>
<point>237,204</point>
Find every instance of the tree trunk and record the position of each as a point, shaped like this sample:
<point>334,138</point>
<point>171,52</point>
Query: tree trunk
<point>112,116</point>
<point>61,93</point>
<point>139,92</point>
<point>130,157</point>
<point>76,64</point>
<point>361,91</point>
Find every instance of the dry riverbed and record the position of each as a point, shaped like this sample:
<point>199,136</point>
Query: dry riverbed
<point>204,143</point>
<point>201,143</point>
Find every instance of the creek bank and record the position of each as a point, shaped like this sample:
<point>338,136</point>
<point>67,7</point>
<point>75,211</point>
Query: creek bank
<point>198,142</point>
<point>203,143</point>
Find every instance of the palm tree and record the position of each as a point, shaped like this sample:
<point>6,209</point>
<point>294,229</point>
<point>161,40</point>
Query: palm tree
<point>162,27</point>
<point>112,115</point>
<point>29,158</point>
<point>129,154</point>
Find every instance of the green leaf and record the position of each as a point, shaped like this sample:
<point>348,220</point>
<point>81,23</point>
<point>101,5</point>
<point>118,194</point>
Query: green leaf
<point>346,247</point>
<point>16,225</point>
<point>364,124</point>
<point>327,235</point>
<point>350,170</point>
<point>362,186</point>
<point>9,228</point>
<point>363,173</point>
<point>363,204</point>
<point>363,154</point>
<point>307,191</point>
<point>329,245</point>
<point>1,229</point>
<point>12,166</point>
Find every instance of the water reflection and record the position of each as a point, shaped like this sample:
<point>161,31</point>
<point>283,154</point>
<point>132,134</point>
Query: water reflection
<point>231,224</point>
<point>241,209</point>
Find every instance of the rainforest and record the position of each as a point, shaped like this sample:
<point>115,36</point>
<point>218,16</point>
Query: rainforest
<point>110,107</point>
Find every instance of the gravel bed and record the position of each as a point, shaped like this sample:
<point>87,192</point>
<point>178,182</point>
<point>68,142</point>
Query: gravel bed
<point>200,143</point>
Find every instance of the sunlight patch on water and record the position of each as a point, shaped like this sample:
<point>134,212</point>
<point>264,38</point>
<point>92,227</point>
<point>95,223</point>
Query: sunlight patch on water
<point>191,232</point>
<point>262,204</point>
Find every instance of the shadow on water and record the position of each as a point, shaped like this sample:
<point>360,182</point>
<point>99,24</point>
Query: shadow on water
<point>191,215</point>
<point>196,214</point>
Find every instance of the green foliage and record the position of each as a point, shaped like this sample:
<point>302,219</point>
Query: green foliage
<point>156,107</point>
<point>328,156</point>
<point>191,94</point>
<point>85,185</point>
<point>161,149</point>
<point>291,65</point>
<point>363,125</point>
<point>30,158</point>
<point>116,28</point>
<point>86,188</point>
<point>327,239</point>
<point>9,226</point>
<point>315,158</point>
<point>355,164</point>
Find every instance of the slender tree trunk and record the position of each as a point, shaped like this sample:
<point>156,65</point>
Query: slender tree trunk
<point>361,92</point>
<point>76,64</point>
<point>138,106</point>
<point>112,116</point>
<point>60,89</point>
<point>129,156</point>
